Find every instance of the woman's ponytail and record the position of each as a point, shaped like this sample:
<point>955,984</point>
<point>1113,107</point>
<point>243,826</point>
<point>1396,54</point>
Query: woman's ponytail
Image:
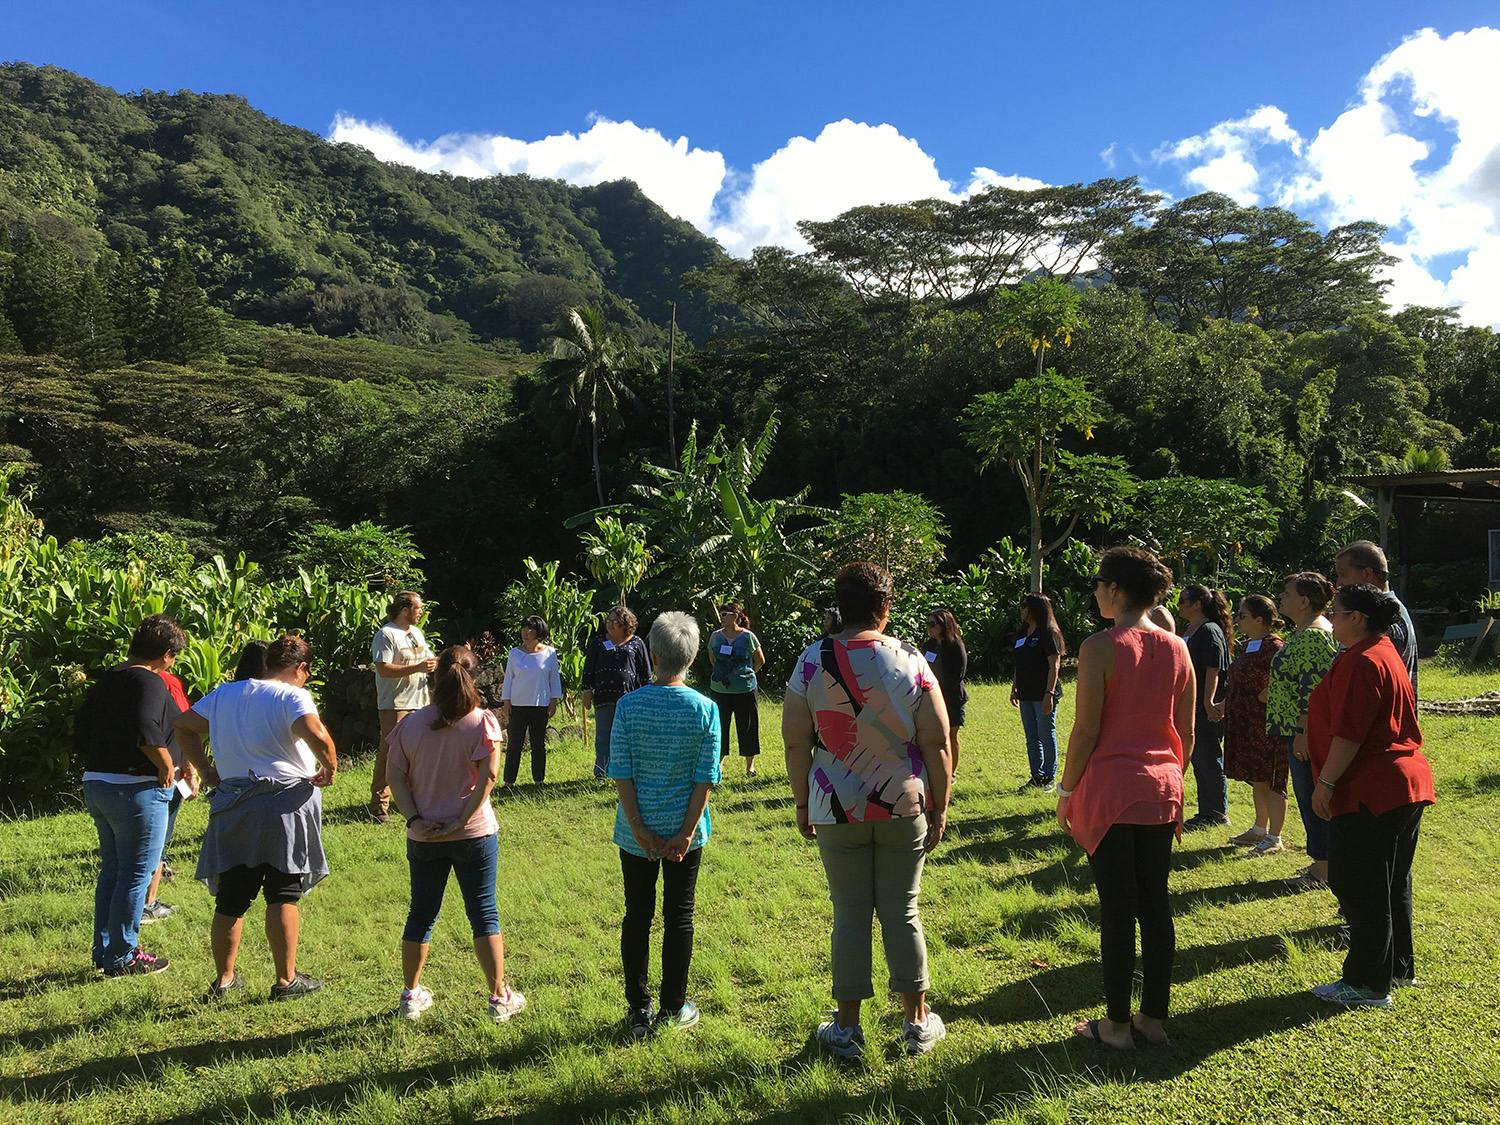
<point>453,688</point>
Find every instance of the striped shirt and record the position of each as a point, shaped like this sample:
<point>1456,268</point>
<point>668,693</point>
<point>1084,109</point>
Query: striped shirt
<point>666,740</point>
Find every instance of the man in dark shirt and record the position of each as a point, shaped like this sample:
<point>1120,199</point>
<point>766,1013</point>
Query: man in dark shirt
<point>1363,562</point>
<point>616,663</point>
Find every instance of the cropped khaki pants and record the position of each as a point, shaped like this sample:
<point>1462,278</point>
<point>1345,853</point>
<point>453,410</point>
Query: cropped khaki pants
<point>875,868</point>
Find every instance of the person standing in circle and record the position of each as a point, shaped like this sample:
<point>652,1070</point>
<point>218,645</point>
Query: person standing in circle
<point>442,768</point>
<point>124,734</point>
<point>1036,691</point>
<point>736,656</point>
<point>614,665</point>
<point>946,655</point>
<point>1250,754</point>
<point>1210,639</point>
<point>1373,781</point>
<point>1120,794</point>
<point>1295,671</point>
<point>402,664</point>
<point>529,697</point>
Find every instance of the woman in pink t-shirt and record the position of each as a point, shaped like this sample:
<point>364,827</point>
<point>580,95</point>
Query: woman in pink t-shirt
<point>1120,793</point>
<point>441,767</point>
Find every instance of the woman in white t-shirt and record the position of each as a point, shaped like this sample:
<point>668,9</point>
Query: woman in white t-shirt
<point>529,697</point>
<point>441,766</point>
<point>272,757</point>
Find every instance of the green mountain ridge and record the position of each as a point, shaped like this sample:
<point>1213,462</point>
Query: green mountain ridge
<point>283,224</point>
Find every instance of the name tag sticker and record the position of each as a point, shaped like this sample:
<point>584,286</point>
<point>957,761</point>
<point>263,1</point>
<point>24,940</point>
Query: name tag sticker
<point>183,787</point>
<point>1253,646</point>
<point>931,657</point>
<point>726,650</point>
<point>1020,641</point>
<point>609,645</point>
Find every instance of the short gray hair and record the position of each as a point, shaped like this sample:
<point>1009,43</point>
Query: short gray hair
<point>674,644</point>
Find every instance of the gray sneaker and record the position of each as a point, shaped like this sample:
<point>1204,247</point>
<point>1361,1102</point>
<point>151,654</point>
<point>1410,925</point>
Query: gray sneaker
<point>845,1042</point>
<point>300,986</point>
<point>920,1038</point>
<point>155,912</point>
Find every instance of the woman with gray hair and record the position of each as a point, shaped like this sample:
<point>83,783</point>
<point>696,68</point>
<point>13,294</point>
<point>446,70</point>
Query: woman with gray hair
<point>663,759</point>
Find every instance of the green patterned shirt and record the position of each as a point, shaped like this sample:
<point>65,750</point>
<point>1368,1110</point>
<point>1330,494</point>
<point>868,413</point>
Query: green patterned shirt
<point>1302,662</point>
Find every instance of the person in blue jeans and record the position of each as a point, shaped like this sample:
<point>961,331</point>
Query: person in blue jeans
<point>615,663</point>
<point>1036,691</point>
<point>441,766</point>
<point>123,733</point>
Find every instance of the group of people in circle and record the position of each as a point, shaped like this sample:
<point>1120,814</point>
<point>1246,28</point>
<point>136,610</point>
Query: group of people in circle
<point>869,727</point>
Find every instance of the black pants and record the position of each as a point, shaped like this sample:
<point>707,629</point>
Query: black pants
<point>527,723</point>
<point>741,706</point>
<point>1130,870</point>
<point>679,887</point>
<point>1369,869</point>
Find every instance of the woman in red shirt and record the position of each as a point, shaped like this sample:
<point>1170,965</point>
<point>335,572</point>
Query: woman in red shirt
<point>1120,791</point>
<point>1372,783</point>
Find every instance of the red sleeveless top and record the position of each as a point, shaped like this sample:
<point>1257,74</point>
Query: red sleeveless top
<point>1134,775</point>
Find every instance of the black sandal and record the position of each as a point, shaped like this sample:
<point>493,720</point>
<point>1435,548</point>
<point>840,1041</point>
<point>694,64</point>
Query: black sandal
<point>1091,1033</point>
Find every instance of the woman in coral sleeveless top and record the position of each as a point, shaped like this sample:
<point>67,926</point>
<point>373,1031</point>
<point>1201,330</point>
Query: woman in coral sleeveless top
<point>1120,793</point>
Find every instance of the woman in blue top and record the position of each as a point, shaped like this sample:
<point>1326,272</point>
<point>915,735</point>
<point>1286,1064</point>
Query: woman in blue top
<point>737,656</point>
<point>664,759</point>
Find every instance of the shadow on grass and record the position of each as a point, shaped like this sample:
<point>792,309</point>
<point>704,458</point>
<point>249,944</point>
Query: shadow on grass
<point>43,982</point>
<point>1068,988</point>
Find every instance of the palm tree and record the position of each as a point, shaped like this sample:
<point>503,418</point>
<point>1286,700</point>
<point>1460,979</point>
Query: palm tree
<point>586,375</point>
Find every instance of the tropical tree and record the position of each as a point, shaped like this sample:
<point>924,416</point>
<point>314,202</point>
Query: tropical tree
<point>588,376</point>
<point>617,555</point>
<point>1043,314</point>
<point>900,531</point>
<point>1183,516</point>
<point>1023,427</point>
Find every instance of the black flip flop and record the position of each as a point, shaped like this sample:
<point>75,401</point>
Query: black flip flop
<point>1093,1036</point>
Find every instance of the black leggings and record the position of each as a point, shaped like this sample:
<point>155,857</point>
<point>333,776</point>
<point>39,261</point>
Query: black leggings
<point>527,723</point>
<point>741,707</point>
<point>678,894</point>
<point>1130,870</point>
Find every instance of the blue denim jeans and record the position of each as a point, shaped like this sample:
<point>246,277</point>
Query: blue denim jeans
<point>1312,824</point>
<point>604,725</point>
<point>474,863</point>
<point>132,823</point>
<point>1040,728</point>
<point>1208,769</point>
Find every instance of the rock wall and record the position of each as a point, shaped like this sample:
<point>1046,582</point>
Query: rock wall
<point>346,703</point>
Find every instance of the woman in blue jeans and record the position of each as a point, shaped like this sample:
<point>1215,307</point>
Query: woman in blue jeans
<point>1038,657</point>
<point>123,733</point>
<point>442,764</point>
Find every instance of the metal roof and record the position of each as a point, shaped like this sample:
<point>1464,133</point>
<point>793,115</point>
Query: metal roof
<point>1445,476</point>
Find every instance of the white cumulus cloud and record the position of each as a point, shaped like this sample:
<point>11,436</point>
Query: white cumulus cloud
<point>682,179</point>
<point>1417,150</point>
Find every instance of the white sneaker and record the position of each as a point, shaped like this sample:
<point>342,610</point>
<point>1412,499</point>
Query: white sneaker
<point>921,1038</point>
<point>414,1001</point>
<point>507,1005</point>
<point>1268,845</point>
<point>845,1042</point>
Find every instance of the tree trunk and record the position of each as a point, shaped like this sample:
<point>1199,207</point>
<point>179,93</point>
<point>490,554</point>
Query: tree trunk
<point>598,476</point>
<point>1036,547</point>
<point>671,411</point>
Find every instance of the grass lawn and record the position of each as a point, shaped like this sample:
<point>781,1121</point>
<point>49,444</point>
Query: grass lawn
<point>1008,906</point>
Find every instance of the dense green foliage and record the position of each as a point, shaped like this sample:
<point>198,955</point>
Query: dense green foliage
<point>1211,372</point>
<point>67,612</point>
<point>287,228</point>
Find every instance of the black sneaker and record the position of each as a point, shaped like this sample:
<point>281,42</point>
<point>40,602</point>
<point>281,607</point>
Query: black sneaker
<point>141,965</point>
<point>1034,783</point>
<point>217,991</point>
<point>302,985</point>
<point>640,1023</point>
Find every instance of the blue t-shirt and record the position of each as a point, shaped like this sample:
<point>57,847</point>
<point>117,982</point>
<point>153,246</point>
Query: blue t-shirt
<point>666,740</point>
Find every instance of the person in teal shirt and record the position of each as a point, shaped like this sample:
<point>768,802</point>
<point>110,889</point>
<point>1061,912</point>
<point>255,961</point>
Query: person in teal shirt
<point>663,758</point>
<point>736,656</point>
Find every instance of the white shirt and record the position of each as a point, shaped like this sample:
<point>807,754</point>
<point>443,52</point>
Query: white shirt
<point>531,678</point>
<point>395,645</point>
<point>250,729</point>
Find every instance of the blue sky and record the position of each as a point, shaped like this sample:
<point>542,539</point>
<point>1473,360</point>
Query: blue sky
<point>1026,91</point>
